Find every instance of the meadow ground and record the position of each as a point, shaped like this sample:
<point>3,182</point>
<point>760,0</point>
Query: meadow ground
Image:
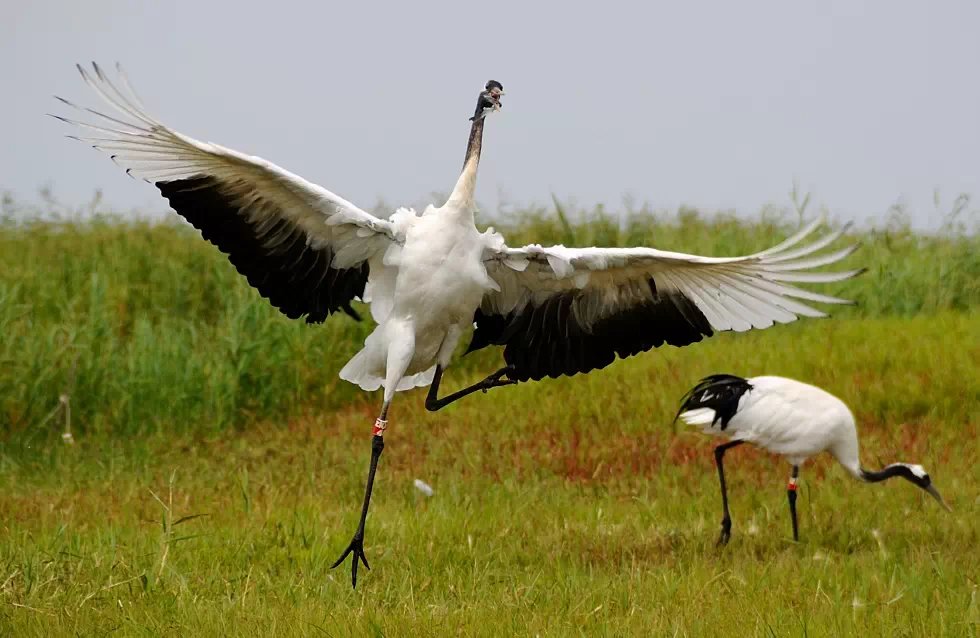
<point>217,464</point>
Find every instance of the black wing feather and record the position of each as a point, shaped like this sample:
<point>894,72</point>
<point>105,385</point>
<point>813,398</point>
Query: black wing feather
<point>296,278</point>
<point>547,340</point>
<point>718,392</point>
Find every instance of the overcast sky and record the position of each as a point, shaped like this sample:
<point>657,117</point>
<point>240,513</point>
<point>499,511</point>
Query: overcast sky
<point>714,104</point>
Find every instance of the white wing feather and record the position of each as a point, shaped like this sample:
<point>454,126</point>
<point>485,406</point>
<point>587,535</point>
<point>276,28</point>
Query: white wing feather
<point>733,293</point>
<point>149,149</point>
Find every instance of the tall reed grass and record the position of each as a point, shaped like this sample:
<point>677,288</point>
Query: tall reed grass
<point>142,325</point>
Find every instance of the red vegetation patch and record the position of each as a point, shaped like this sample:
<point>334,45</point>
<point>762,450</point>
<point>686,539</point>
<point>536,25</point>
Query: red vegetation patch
<point>418,442</point>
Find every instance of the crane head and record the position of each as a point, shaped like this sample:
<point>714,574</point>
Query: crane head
<point>919,476</point>
<point>489,100</point>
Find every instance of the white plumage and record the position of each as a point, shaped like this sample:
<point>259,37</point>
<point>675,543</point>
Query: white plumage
<point>423,292</point>
<point>733,293</point>
<point>428,278</point>
<point>790,418</point>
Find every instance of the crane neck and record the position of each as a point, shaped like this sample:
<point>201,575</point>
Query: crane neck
<point>847,456</point>
<point>914,474</point>
<point>462,195</point>
<point>896,469</point>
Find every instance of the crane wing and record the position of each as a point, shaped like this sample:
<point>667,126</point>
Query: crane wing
<point>302,247</point>
<point>560,311</point>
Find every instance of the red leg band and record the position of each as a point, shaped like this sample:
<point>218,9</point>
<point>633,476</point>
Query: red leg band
<point>379,427</point>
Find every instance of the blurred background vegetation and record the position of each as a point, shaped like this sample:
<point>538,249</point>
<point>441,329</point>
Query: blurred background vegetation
<point>141,323</point>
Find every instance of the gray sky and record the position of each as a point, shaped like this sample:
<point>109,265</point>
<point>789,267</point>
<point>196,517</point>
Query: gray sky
<point>715,104</point>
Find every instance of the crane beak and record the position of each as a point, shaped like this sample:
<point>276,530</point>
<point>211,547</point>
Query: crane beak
<point>489,102</point>
<point>935,494</point>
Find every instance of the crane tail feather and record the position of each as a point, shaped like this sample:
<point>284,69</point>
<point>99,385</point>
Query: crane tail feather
<point>714,399</point>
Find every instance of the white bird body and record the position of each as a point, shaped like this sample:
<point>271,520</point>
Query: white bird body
<point>787,417</point>
<point>422,294</point>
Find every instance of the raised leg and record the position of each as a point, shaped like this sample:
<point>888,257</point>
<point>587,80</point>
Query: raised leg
<point>726,520</point>
<point>433,402</point>
<point>791,493</point>
<point>356,546</point>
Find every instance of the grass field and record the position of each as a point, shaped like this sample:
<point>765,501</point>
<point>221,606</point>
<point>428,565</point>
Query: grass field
<point>217,463</point>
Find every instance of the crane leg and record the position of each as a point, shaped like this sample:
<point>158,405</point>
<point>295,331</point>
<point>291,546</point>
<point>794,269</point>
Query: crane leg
<point>433,402</point>
<point>791,493</point>
<point>726,520</point>
<point>356,546</point>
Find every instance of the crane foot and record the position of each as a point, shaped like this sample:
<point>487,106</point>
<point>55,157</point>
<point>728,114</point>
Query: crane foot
<point>356,548</point>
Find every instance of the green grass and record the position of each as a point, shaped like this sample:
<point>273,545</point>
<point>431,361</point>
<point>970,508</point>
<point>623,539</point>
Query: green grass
<point>148,327</point>
<point>217,465</point>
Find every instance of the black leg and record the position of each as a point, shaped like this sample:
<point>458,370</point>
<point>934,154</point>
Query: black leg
<point>726,521</point>
<point>791,493</point>
<point>433,402</point>
<point>356,546</point>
